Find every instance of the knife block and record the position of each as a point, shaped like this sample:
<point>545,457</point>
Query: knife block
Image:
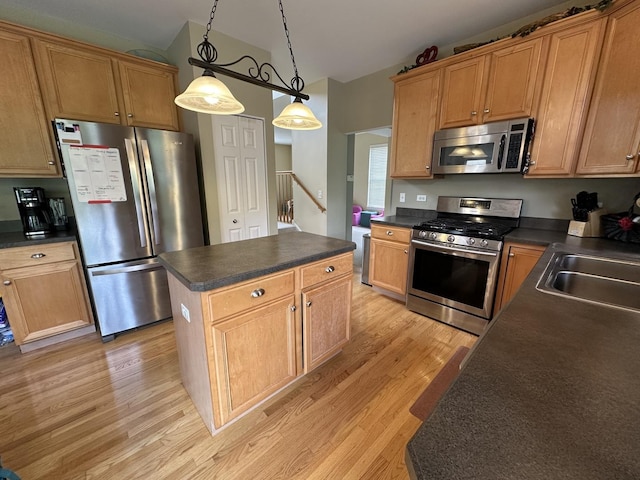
<point>590,228</point>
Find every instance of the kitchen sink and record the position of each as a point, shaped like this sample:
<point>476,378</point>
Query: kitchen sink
<point>599,280</point>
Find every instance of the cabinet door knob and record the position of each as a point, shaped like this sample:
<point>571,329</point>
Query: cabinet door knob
<point>7,282</point>
<point>257,293</point>
<point>532,162</point>
<point>116,114</point>
<point>486,110</point>
<point>390,233</point>
<point>38,255</point>
<point>293,308</point>
<point>406,251</point>
<point>512,255</point>
<point>329,269</point>
<point>630,157</point>
<point>130,115</point>
<point>474,112</point>
<point>51,162</point>
<point>427,167</point>
<point>308,304</point>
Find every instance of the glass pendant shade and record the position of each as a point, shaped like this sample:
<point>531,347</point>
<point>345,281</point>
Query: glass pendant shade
<point>297,116</point>
<point>207,94</point>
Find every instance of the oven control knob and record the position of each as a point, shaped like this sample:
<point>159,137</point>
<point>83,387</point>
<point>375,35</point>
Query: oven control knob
<point>451,239</point>
<point>471,241</point>
<point>422,234</point>
<point>433,235</point>
<point>484,243</point>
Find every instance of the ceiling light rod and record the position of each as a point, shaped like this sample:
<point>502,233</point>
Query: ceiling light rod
<point>257,74</point>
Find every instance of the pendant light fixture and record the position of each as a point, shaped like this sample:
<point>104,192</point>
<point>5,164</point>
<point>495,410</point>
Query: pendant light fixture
<point>207,94</point>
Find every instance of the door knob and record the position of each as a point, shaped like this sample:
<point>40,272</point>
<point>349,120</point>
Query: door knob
<point>235,221</point>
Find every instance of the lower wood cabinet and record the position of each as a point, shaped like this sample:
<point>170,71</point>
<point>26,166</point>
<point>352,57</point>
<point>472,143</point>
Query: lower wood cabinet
<point>516,263</point>
<point>389,258</point>
<point>326,314</point>
<point>240,344</point>
<point>254,355</point>
<point>44,290</point>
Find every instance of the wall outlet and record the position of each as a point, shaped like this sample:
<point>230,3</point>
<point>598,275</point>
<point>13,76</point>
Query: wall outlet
<point>185,312</point>
<point>421,198</point>
<point>319,193</point>
<point>402,198</point>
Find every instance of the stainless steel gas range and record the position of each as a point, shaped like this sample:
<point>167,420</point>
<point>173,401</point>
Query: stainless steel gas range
<point>454,260</point>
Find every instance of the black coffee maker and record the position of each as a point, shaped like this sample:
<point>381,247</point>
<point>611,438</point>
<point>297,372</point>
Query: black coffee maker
<point>34,211</point>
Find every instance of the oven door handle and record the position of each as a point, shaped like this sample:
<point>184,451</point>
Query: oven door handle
<point>437,248</point>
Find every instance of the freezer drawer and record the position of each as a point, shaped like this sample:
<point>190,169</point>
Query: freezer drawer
<point>129,295</point>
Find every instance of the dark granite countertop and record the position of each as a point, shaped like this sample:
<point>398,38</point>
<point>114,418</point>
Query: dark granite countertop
<point>406,217</point>
<point>17,239</point>
<point>550,391</point>
<point>213,266</point>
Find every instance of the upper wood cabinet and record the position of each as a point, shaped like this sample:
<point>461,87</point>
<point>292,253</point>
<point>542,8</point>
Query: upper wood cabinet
<point>611,140</point>
<point>499,85</point>
<point>79,83</point>
<point>86,83</point>
<point>415,111</point>
<point>568,83</point>
<point>26,146</point>
<point>148,94</point>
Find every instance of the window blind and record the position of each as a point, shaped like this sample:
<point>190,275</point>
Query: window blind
<point>377,175</point>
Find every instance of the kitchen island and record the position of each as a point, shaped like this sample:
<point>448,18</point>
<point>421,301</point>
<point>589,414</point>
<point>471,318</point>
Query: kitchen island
<point>250,317</point>
<point>551,390</point>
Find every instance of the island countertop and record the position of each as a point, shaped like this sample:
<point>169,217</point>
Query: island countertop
<point>214,266</point>
<point>551,390</point>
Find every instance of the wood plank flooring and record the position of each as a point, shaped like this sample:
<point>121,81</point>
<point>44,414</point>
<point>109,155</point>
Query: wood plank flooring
<point>88,410</point>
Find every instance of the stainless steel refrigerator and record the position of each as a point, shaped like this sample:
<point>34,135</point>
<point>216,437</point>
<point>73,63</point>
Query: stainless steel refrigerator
<point>135,195</point>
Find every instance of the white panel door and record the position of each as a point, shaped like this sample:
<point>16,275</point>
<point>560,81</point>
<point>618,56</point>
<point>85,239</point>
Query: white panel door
<point>241,177</point>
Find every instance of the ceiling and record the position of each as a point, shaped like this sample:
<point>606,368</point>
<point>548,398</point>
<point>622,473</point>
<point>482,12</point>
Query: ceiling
<point>339,39</point>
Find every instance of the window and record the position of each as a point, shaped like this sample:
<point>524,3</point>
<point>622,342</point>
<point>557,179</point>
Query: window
<point>377,175</point>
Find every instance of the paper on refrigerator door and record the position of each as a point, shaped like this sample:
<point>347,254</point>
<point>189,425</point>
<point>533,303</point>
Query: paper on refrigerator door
<point>97,174</point>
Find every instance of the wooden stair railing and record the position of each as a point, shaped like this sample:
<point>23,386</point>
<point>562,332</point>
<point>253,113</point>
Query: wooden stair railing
<point>284,189</point>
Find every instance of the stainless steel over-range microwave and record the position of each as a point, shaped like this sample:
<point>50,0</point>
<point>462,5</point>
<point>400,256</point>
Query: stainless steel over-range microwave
<point>496,147</point>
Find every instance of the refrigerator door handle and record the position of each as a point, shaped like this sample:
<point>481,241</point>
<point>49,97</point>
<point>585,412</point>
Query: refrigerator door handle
<point>133,268</point>
<point>137,193</point>
<point>151,187</point>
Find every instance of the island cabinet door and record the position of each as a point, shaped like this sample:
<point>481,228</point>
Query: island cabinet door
<point>326,320</point>
<point>254,356</point>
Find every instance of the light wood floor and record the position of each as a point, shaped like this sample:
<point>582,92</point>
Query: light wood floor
<point>87,410</point>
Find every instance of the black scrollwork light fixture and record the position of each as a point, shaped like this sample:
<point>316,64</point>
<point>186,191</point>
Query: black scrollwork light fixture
<point>207,94</point>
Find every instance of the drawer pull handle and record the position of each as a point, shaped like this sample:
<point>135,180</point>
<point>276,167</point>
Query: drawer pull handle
<point>329,269</point>
<point>38,255</point>
<point>257,293</point>
<point>390,233</point>
<point>7,282</point>
<point>308,304</point>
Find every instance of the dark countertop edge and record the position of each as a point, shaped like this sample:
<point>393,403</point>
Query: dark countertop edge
<point>206,286</point>
<point>17,239</point>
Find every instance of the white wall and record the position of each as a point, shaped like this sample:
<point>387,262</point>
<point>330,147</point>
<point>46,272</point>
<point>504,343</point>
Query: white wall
<point>283,158</point>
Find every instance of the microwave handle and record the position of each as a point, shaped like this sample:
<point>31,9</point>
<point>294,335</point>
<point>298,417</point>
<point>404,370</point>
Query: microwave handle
<point>501,151</point>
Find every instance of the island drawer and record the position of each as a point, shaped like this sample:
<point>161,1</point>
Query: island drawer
<point>326,269</point>
<point>252,294</point>
<point>395,234</point>
<point>18,257</point>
